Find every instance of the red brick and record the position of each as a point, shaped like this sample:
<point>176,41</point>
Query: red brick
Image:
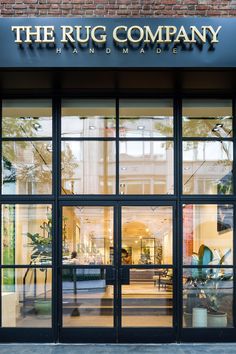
<point>116,8</point>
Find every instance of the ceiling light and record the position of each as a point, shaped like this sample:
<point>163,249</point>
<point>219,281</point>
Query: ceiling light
<point>217,127</point>
<point>91,127</point>
<point>37,126</point>
<point>140,127</point>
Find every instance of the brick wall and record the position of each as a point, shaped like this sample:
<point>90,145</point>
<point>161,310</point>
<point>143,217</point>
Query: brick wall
<point>118,8</point>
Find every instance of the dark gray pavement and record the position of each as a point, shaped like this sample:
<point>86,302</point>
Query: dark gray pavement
<point>118,348</point>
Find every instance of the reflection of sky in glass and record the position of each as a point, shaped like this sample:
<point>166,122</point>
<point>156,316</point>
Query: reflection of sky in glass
<point>73,126</point>
<point>209,151</point>
<point>140,148</point>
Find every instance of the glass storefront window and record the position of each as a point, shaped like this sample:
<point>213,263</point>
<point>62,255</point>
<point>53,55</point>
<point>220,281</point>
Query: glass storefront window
<point>207,167</point>
<point>146,167</point>
<point>27,167</point>
<point>88,167</point>
<point>207,118</point>
<point>146,118</point>
<point>147,235</point>
<point>208,234</point>
<point>147,301</point>
<point>26,234</point>
<point>208,297</point>
<point>88,118</point>
<point>26,297</point>
<point>88,300</point>
<point>87,236</point>
<point>26,118</point>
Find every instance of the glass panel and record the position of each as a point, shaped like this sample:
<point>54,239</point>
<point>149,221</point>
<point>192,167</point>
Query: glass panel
<point>207,167</point>
<point>27,167</point>
<point>207,118</point>
<point>146,167</point>
<point>26,234</point>
<point>26,297</point>
<point>88,167</point>
<point>146,118</point>
<point>147,235</point>
<point>87,298</point>
<point>208,234</point>
<point>87,235</point>
<point>27,118</point>
<point>208,297</point>
<point>88,118</point>
<point>147,300</point>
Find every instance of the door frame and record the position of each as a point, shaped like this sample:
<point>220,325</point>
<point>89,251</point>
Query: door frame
<point>117,333</point>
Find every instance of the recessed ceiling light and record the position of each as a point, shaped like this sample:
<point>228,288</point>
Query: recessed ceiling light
<point>91,127</point>
<point>123,168</point>
<point>140,127</point>
<point>217,127</point>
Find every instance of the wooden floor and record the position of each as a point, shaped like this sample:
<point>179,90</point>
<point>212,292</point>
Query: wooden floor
<point>143,305</point>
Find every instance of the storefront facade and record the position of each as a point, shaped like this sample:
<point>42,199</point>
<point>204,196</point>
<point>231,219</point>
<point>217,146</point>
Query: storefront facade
<point>118,180</point>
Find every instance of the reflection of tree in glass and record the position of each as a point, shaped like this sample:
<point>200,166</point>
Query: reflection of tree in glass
<point>42,244</point>
<point>68,164</point>
<point>200,130</point>
<point>220,126</point>
<point>22,127</point>
<point>18,166</point>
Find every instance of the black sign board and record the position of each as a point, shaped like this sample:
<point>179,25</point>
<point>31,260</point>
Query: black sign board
<point>117,42</point>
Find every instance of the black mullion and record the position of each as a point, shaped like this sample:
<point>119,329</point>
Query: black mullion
<point>55,180</point>
<point>60,268</point>
<point>0,265</point>
<point>234,144</point>
<point>234,268</point>
<point>115,267</point>
<point>26,199</point>
<point>145,266</point>
<point>119,285</point>
<point>175,245</point>
<point>208,199</point>
<point>1,169</point>
<point>117,148</point>
<point>99,138</point>
<point>179,241</point>
<point>59,223</point>
<point>217,266</point>
<point>146,139</point>
<point>112,198</point>
<point>87,266</point>
<point>0,297</point>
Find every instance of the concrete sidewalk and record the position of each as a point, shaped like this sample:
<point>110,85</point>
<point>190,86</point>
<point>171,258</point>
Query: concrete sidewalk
<point>224,348</point>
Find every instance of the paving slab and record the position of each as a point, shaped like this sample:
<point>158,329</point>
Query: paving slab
<point>223,348</point>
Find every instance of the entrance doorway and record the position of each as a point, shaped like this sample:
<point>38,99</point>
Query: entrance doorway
<point>117,272</point>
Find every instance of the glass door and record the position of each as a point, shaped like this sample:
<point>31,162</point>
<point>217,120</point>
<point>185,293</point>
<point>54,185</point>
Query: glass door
<point>88,274</point>
<point>146,274</point>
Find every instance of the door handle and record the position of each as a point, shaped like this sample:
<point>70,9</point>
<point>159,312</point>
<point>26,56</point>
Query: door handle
<point>124,276</point>
<point>110,276</point>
